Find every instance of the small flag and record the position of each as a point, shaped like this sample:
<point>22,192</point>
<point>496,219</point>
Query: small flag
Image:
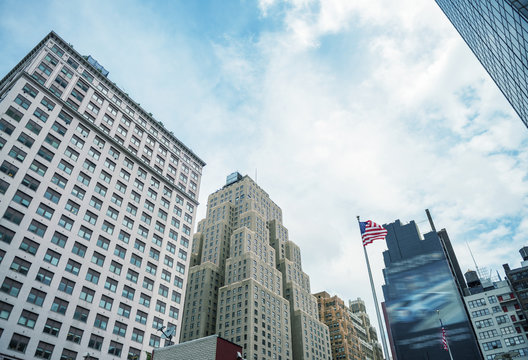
<point>444,338</point>
<point>371,231</point>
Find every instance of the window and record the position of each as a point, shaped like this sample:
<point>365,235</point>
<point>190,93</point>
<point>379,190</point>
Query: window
<point>131,209</point>
<point>88,165</point>
<point>171,247</point>
<point>115,268</point>
<point>142,231</point>
<point>138,335</point>
<point>94,153</point>
<point>135,260</point>
<point>492,345</point>
<point>18,343</point>
<point>36,297</point>
<point>163,291</point>
<point>17,154</point>
<point>151,268</point>
<point>115,348</point>
<point>128,222</point>
<point>74,335</point>
<point>83,179</point>
<point>156,239</point>
<point>101,322</point>
<point>96,342</point>
<point>103,242</point>
<point>79,249</point>
<point>78,192</point>
<point>44,350</point>
<point>120,251</point>
<point>100,189</point>
<point>178,282</point>
<point>28,319</point>
<point>52,257</point>
<point>105,176</point>
<point>41,114</point>
<point>52,327</point>
<point>165,275</point>
<point>20,265</point>
<point>44,276</point>
<point>107,227</point>
<point>81,314</point>
<point>65,166</point>
<point>98,258</point>
<point>132,276</point>
<point>59,306</point>
<point>33,127</point>
<point>128,292</point>
<point>144,300</point>
<point>27,245</point>
<point>124,310</point>
<point>14,114</point>
<point>111,285</point>
<point>168,261</point>
<point>176,297</point>
<point>52,195</point>
<point>73,267</point>
<point>59,239</point>
<point>135,196</point>
<point>59,181</point>
<point>72,207</point>
<point>106,302</point>
<point>153,253</point>
<point>37,228</point>
<point>22,198</point>
<point>68,355</point>
<point>173,312</point>
<point>92,276</point>
<point>119,328</point>
<point>66,222</point>
<point>66,286</point>
<point>72,154</point>
<point>112,213</point>
<point>35,166</point>
<point>9,169</point>
<point>154,341</point>
<point>141,317</point>
<point>160,307</point>
<point>45,211</point>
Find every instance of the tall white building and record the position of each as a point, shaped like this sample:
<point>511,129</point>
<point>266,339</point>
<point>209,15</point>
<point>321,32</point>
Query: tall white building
<point>97,205</point>
<point>246,282</point>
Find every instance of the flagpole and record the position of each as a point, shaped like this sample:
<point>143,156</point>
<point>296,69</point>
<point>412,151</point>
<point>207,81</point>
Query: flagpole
<point>380,323</point>
<point>447,342</point>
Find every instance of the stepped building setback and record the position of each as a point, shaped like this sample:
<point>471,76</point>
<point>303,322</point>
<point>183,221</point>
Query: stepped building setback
<point>351,336</point>
<point>246,282</point>
<point>97,205</point>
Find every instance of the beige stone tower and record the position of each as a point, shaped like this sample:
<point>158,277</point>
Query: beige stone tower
<point>246,283</point>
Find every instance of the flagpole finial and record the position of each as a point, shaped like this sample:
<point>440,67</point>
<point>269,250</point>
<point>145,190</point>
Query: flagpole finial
<point>357,217</point>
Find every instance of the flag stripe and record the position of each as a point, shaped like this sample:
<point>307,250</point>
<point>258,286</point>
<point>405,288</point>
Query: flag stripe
<point>371,231</point>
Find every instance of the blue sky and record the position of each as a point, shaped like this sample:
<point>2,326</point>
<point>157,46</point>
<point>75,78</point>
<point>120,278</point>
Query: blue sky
<point>343,108</point>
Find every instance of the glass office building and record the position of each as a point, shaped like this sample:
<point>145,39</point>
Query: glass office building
<point>422,277</point>
<point>497,33</point>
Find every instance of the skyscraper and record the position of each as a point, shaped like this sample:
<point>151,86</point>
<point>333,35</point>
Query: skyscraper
<point>421,278</point>
<point>497,33</point>
<point>97,201</point>
<point>247,284</point>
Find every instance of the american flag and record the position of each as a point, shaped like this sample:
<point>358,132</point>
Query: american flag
<point>371,231</point>
<point>444,338</point>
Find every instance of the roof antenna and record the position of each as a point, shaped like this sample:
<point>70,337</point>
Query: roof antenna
<point>474,262</point>
<point>430,220</point>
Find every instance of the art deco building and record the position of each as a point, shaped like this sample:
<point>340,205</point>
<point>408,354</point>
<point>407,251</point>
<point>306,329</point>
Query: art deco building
<point>97,203</point>
<point>497,33</point>
<point>247,284</point>
<point>350,336</point>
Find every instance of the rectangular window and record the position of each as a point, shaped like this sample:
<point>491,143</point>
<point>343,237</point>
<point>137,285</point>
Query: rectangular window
<point>93,276</point>
<point>119,329</point>
<point>45,211</point>
<point>81,314</point>
<point>36,167</point>
<point>79,249</point>
<point>59,306</point>
<point>73,267</point>
<point>101,322</point>
<point>128,292</point>
<point>96,342</point>
<point>66,167</point>
<point>44,276</point>
<point>17,154</point>
<point>106,302</point>
<point>36,297</point>
<point>85,233</point>
<point>18,343</point>
<point>52,195</point>
<point>66,222</point>
<point>28,319</point>
<point>37,228</point>
<point>98,259</point>
<point>52,257</point>
<point>33,127</point>
<point>11,287</point>
<point>115,268</point>
<point>9,169</point>
<point>27,245</point>
<point>22,198</point>
<point>66,286</point>
<point>14,114</point>
<point>74,335</point>
<point>52,327</point>
<point>110,284</point>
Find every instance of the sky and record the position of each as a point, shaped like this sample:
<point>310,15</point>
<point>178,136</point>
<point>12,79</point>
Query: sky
<point>337,108</point>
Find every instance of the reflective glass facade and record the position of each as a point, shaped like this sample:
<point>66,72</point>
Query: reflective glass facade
<point>419,281</point>
<point>497,33</point>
